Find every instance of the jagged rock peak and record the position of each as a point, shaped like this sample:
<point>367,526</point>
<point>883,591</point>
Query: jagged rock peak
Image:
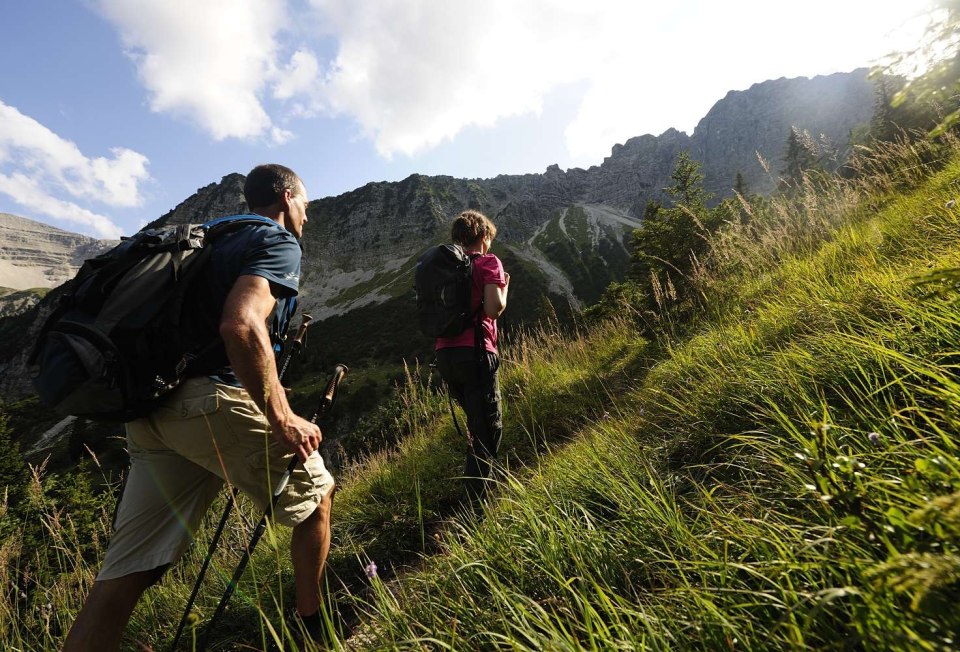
<point>210,201</point>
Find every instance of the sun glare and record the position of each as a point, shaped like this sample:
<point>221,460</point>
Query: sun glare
<point>901,45</point>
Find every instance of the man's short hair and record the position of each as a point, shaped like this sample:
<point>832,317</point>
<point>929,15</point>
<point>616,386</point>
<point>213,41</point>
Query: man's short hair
<point>470,226</point>
<point>265,185</point>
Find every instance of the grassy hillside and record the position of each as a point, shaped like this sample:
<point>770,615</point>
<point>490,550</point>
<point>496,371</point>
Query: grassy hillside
<point>779,470</point>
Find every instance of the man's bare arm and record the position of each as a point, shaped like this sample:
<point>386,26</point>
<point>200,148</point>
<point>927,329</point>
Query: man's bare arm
<point>247,341</point>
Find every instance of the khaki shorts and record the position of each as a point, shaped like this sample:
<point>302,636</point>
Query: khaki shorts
<point>202,435</point>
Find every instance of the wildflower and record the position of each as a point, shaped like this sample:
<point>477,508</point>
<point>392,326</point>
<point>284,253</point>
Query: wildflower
<point>951,203</point>
<point>605,416</point>
<point>874,437</point>
<point>371,570</point>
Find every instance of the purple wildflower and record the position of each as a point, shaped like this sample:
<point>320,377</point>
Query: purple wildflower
<point>874,437</point>
<point>371,570</point>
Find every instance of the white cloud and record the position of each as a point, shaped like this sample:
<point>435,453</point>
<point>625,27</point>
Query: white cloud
<point>27,192</point>
<point>37,166</point>
<point>280,136</point>
<point>414,73</point>
<point>206,60</point>
<point>301,76</point>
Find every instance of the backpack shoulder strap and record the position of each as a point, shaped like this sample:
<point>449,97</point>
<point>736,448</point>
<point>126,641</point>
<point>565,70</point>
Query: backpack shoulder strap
<point>223,225</point>
<point>238,220</point>
<point>478,333</point>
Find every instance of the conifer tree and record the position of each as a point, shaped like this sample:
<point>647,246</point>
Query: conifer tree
<point>882,125</point>
<point>670,240</point>
<point>740,185</point>
<point>800,158</point>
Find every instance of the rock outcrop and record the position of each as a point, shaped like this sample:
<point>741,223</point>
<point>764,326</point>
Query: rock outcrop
<point>758,120</point>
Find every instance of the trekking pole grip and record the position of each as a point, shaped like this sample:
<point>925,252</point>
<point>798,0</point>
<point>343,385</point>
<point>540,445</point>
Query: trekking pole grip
<point>329,396</point>
<point>296,346</point>
<point>327,399</point>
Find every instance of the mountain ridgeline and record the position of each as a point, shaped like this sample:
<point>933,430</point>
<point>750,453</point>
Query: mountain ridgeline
<point>563,235</point>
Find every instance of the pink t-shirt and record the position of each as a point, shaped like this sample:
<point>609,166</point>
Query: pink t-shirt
<point>487,270</point>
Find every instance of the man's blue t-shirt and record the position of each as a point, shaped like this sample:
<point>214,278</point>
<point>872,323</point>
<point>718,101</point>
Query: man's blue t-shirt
<point>266,250</point>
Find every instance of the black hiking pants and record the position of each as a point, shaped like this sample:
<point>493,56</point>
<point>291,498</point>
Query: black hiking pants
<point>475,386</point>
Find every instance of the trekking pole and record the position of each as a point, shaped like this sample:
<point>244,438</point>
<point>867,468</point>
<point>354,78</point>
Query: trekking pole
<point>295,348</point>
<point>327,400</point>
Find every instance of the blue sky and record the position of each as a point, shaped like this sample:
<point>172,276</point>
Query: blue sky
<point>114,111</point>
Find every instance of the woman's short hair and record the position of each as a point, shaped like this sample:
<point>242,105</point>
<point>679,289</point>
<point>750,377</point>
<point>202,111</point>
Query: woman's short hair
<point>470,226</point>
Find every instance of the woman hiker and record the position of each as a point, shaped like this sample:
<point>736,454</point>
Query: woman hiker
<point>471,374</point>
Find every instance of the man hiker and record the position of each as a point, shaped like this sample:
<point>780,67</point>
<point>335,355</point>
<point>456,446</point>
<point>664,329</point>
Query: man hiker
<point>471,374</point>
<point>228,422</point>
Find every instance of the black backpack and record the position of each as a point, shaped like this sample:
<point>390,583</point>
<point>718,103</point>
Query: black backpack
<point>118,339</point>
<point>444,281</point>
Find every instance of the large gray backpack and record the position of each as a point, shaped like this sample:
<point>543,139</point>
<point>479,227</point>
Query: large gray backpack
<point>118,340</point>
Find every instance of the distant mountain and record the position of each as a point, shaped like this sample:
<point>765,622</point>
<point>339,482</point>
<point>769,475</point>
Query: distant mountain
<point>564,235</point>
<point>35,255</point>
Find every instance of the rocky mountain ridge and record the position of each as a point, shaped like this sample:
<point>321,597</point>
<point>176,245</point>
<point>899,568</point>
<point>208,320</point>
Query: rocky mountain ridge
<point>375,232</point>
<point>567,229</point>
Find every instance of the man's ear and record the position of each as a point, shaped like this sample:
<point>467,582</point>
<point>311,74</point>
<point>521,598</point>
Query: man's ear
<point>286,199</point>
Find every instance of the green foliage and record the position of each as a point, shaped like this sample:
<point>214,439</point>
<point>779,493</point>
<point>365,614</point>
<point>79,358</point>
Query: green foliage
<point>785,479</point>
<point>619,301</point>
<point>885,123</point>
<point>13,471</point>
<point>671,242</point>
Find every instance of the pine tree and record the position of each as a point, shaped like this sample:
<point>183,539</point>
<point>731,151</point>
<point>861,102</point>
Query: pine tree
<point>670,240</point>
<point>687,188</point>
<point>740,185</point>
<point>800,158</point>
<point>882,125</point>
<point>644,242</point>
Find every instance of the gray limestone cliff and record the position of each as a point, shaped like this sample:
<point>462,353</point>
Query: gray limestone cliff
<point>758,120</point>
